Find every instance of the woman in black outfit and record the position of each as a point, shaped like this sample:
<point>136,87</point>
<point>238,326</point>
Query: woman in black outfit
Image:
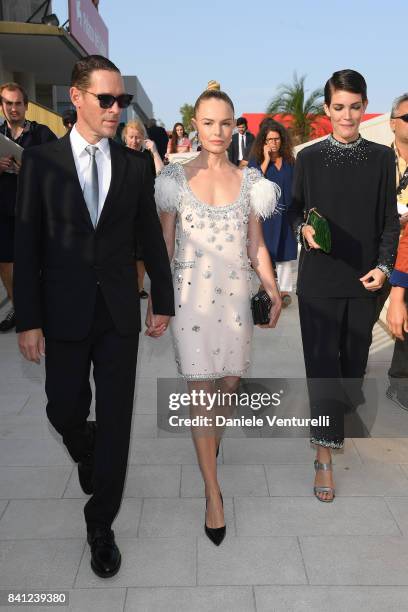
<point>351,182</point>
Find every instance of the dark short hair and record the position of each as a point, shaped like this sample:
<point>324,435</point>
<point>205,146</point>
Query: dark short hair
<point>12,86</point>
<point>69,116</point>
<point>242,121</point>
<point>345,80</point>
<point>213,93</point>
<point>83,69</point>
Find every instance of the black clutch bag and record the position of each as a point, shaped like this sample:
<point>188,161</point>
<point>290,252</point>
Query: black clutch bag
<point>260,305</point>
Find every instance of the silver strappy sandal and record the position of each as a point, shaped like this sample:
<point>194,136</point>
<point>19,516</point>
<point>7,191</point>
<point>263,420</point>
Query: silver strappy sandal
<point>316,490</point>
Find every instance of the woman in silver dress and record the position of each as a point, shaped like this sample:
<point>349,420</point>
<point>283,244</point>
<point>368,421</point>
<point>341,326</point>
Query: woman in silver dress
<point>211,214</point>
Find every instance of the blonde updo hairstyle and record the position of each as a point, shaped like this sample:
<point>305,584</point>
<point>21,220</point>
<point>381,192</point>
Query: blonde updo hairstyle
<point>213,92</point>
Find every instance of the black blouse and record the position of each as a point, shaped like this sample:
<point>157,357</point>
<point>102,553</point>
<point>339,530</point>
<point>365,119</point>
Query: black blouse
<point>353,186</point>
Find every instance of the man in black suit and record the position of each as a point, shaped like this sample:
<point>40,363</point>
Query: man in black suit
<point>241,142</point>
<point>80,203</point>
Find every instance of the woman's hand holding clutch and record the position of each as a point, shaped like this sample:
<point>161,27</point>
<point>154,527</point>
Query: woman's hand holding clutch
<point>308,232</point>
<point>275,310</point>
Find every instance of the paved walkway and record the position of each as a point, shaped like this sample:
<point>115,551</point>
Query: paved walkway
<point>284,550</point>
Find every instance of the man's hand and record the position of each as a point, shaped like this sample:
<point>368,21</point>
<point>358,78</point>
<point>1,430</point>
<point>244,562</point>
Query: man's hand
<point>156,324</point>
<point>6,164</point>
<point>308,233</point>
<point>373,280</point>
<point>32,344</point>
<point>16,166</point>
<point>397,315</point>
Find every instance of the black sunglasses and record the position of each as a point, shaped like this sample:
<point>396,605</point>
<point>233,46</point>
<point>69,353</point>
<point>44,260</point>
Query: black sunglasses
<point>403,117</point>
<point>107,100</point>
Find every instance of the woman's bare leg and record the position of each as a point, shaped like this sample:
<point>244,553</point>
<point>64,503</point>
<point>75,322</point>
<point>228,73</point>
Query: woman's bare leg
<point>206,445</point>
<point>227,388</point>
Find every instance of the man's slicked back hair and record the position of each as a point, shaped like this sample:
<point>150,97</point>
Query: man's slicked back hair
<point>83,69</point>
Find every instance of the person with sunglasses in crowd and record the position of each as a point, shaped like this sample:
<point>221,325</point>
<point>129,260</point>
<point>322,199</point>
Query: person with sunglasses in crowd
<point>69,117</point>
<point>80,202</point>
<point>398,372</point>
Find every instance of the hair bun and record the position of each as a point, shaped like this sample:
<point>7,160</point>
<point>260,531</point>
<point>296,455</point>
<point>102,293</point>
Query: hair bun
<point>214,85</point>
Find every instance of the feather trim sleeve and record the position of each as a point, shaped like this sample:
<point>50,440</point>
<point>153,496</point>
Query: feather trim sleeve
<point>168,189</point>
<point>263,195</point>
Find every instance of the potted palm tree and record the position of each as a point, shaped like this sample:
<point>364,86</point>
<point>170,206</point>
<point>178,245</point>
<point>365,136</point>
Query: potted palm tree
<point>291,100</point>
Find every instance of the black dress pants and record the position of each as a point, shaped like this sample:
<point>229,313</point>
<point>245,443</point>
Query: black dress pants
<point>336,337</point>
<point>69,397</point>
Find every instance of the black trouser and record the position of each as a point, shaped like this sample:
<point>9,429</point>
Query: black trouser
<point>69,398</point>
<point>336,336</point>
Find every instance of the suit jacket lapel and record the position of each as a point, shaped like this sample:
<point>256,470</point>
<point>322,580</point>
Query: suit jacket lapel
<point>119,163</point>
<point>65,155</point>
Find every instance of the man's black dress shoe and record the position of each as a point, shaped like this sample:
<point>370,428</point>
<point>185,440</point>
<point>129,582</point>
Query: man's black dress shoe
<point>85,467</point>
<point>105,555</point>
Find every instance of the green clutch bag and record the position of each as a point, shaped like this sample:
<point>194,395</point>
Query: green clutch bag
<point>322,230</point>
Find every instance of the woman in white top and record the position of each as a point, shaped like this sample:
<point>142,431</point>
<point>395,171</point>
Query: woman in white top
<point>211,214</point>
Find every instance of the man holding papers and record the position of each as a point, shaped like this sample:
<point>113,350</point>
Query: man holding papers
<point>23,133</point>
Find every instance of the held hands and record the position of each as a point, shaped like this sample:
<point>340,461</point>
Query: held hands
<point>156,324</point>
<point>32,344</point>
<point>373,280</point>
<point>308,232</point>
<point>397,315</point>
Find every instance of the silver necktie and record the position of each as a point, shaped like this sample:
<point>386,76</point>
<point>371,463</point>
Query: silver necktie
<point>91,187</point>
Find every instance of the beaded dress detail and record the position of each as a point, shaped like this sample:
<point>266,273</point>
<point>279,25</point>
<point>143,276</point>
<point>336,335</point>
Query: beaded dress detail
<point>212,327</point>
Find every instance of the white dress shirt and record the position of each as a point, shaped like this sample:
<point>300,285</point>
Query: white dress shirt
<point>83,163</point>
<point>241,146</point>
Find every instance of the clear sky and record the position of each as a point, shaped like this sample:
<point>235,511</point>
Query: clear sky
<point>250,47</point>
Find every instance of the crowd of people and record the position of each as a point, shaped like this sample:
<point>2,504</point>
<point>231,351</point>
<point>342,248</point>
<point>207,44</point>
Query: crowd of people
<point>83,217</point>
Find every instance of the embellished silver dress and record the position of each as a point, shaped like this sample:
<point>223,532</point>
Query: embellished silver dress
<point>212,327</point>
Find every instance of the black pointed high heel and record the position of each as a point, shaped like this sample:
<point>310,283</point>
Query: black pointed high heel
<point>215,534</point>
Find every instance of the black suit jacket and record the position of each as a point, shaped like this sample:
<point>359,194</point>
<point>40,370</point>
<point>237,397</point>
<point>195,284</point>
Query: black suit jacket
<point>233,149</point>
<point>60,258</point>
